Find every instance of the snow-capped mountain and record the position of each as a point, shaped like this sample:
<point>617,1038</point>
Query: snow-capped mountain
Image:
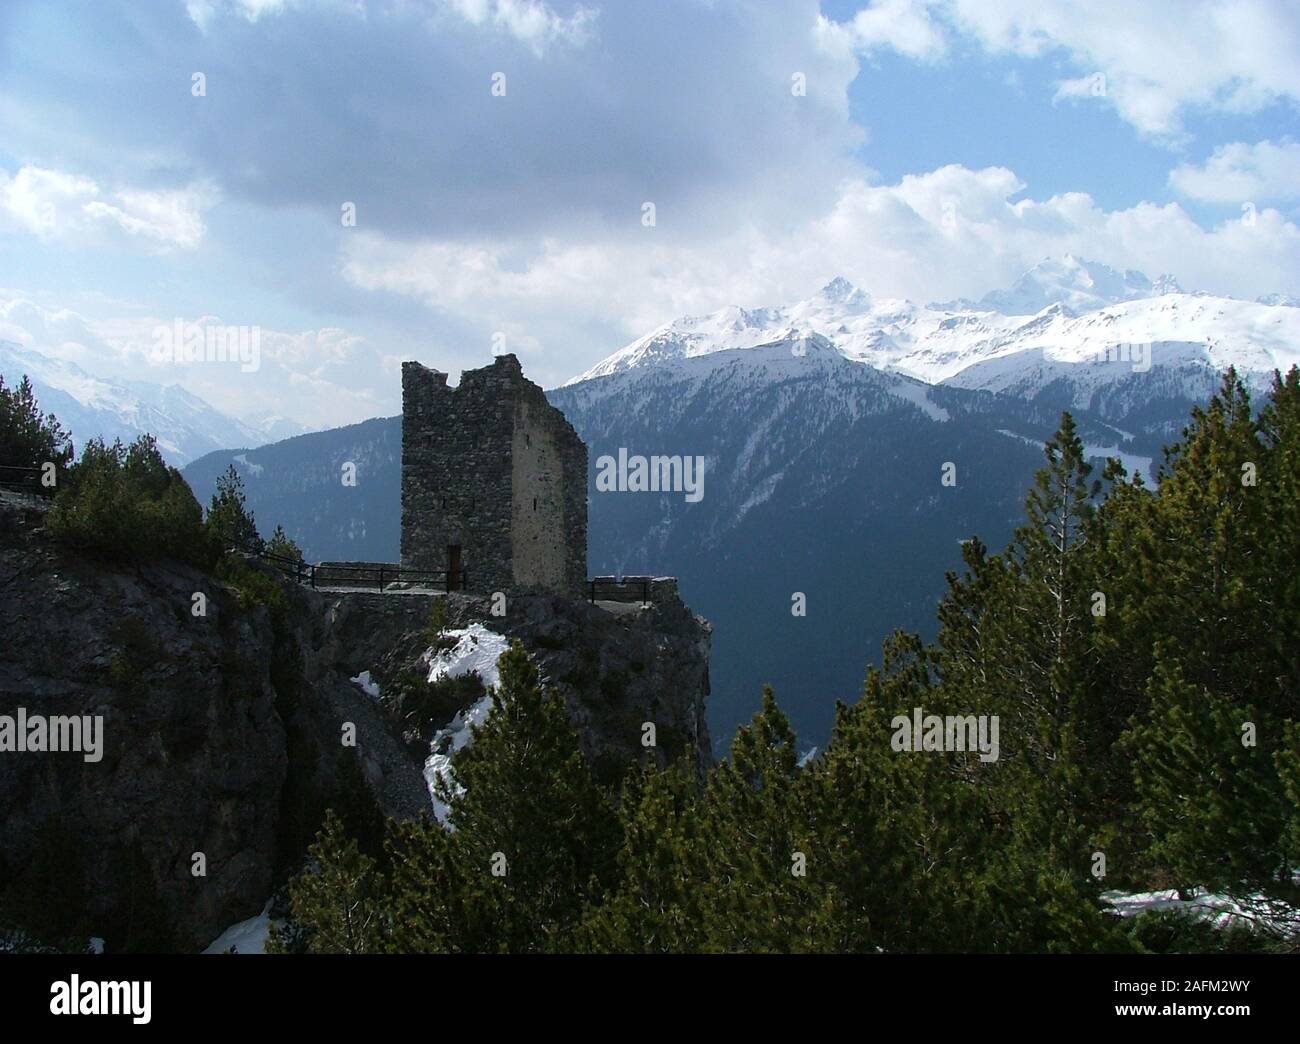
<point>822,476</point>
<point>1102,340</point>
<point>186,427</point>
<point>1081,286</point>
<point>934,343</point>
<point>823,426</point>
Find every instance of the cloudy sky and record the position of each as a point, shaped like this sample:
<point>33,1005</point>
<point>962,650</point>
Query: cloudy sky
<point>195,160</point>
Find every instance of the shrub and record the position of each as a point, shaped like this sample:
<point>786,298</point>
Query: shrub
<point>28,437</point>
<point>280,544</point>
<point>127,502</point>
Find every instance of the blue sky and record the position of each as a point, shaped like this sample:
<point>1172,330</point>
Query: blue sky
<point>1139,135</point>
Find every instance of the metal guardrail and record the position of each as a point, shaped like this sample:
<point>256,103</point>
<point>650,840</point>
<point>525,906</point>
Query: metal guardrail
<point>619,591</point>
<point>378,577</point>
<point>13,476</point>
<point>24,480</point>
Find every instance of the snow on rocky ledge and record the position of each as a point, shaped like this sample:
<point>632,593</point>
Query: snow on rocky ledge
<point>476,650</point>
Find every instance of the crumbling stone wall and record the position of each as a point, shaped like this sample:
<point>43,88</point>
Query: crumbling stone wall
<point>492,468</point>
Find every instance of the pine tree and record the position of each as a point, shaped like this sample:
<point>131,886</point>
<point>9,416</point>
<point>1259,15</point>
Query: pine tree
<point>1278,579</point>
<point>656,907</point>
<point>756,852</point>
<point>1016,640</point>
<point>28,437</point>
<point>1215,596</point>
<point>1288,771</point>
<point>533,838</point>
<point>126,501</point>
<point>897,828</point>
<point>429,904</point>
<point>1053,556</point>
<point>1208,798</point>
<point>229,523</point>
<point>1201,570</point>
<point>336,899</point>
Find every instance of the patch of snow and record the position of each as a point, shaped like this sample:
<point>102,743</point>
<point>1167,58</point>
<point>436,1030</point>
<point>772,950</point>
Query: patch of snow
<point>368,685</point>
<point>1022,438</point>
<point>762,493</point>
<point>919,395</point>
<point>1219,910</point>
<point>476,650</point>
<point>246,936</point>
<point>1133,463</point>
<point>252,469</point>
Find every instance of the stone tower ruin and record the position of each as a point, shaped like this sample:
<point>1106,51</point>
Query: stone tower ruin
<point>494,482</point>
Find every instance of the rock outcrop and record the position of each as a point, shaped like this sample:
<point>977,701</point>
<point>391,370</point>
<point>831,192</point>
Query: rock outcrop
<point>222,730</point>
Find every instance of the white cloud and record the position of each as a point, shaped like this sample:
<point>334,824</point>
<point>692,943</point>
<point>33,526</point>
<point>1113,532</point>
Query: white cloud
<point>202,12</point>
<point>312,376</point>
<point>946,233</point>
<point>1160,57</point>
<point>906,26</point>
<point>1155,60</point>
<point>1240,172</point>
<point>43,201</point>
<point>61,333</point>
<point>55,204</point>
<point>532,21</point>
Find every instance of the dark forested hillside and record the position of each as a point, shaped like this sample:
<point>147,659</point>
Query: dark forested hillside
<point>822,477</point>
<point>1126,667</point>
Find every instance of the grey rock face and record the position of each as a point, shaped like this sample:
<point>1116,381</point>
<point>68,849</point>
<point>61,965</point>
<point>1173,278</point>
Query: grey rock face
<point>193,752</point>
<point>208,726</point>
<point>616,665</point>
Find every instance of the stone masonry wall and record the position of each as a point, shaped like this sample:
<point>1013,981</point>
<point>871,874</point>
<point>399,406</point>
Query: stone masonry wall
<point>456,472</point>
<point>492,467</point>
<point>550,498</point>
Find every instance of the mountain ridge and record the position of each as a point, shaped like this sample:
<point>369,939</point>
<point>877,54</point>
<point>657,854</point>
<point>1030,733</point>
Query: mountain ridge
<point>1087,311</point>
<point>89,406</point>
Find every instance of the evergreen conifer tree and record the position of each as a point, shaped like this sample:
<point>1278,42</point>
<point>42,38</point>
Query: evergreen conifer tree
<point>533,838</point>
<point>336,900</point>
<point>229,523</point>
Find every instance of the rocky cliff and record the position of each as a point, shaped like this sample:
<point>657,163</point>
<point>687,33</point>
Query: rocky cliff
<point>222,729</point>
